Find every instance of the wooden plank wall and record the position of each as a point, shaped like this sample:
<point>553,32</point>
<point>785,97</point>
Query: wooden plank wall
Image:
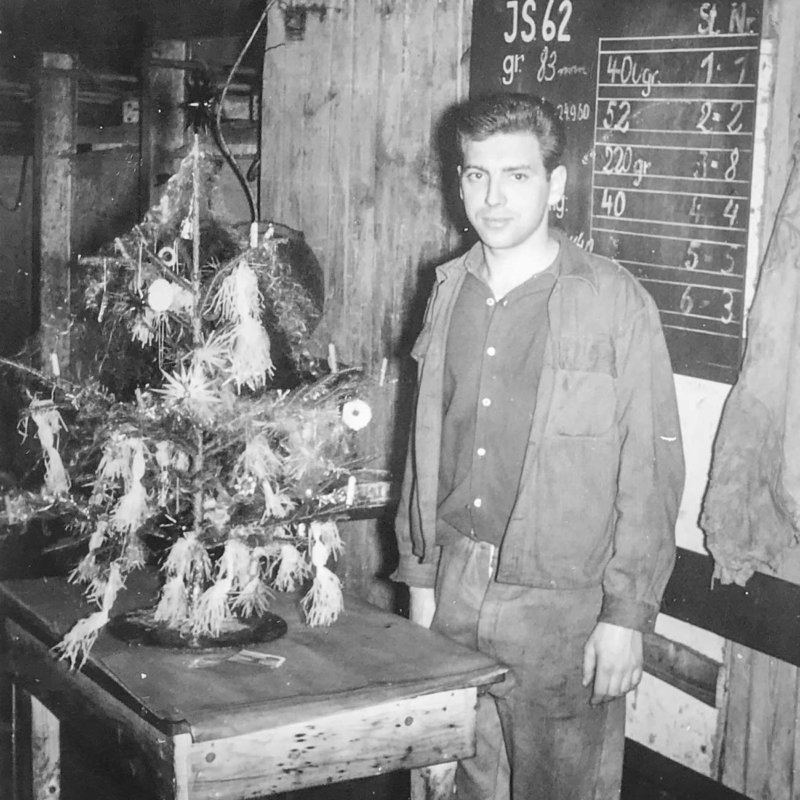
<point>349,157</point>
<point>759,732</point>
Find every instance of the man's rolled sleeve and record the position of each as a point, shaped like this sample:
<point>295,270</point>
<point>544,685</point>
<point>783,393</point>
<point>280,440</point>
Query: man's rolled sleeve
<point>412,570</point>
<point>628,614</point>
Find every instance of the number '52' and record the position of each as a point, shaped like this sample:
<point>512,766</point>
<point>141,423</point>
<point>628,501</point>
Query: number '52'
<point>523,21</point>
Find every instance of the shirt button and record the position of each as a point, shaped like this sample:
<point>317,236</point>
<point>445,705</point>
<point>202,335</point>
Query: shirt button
<point>486,402</point>
<point>477,502</point>
<point>490,301</point>
<point>490,351</point>
<point>481,451</point>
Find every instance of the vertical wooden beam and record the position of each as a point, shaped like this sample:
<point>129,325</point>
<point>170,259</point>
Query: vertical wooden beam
<point>181,760</point>
<point>781,779</point>
<point>54,136</point>
<point>162,118</point>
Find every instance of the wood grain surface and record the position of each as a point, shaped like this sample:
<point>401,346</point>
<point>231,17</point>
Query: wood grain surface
<point>367,657</point>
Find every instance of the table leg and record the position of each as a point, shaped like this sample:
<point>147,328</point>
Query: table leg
<point>437,782</point>
<point>45,752</point>
<point>182,744</point>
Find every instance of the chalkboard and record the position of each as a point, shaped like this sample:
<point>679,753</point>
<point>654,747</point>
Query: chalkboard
<point>659,100</point>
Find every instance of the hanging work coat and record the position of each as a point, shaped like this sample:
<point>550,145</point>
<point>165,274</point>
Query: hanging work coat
<point>751,512</point>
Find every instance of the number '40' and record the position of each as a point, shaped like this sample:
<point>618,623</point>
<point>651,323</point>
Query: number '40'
<point>554,24</point>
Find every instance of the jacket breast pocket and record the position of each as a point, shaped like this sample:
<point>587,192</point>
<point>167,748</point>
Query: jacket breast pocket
<point>584,387</point>
<point>583,404</point>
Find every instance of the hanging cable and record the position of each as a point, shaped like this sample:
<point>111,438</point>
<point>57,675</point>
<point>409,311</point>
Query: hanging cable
<point>217,126</point>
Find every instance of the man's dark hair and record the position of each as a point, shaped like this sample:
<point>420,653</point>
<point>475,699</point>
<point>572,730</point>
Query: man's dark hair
<point>486,116</point>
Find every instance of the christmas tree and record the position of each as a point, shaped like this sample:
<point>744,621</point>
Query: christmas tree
<point>236,473</point>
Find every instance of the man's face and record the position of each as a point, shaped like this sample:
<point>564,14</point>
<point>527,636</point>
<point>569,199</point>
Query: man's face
<point>506,190</point>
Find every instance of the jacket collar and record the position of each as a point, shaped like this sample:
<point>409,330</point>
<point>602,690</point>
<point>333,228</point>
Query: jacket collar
<point>574,263</point>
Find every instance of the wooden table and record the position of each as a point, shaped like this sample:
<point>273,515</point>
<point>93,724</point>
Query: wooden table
<point>370,694</point>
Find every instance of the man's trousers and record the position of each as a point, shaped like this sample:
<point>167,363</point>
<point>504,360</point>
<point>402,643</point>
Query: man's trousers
<point>558,745</point>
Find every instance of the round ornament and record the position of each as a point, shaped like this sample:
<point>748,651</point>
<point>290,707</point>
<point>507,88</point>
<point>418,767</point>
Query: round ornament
<point>356,414</point>
<point>160,295</point>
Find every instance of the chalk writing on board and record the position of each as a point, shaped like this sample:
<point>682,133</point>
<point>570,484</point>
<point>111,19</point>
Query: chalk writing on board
<point>659,102</point>
<point>675,212</point>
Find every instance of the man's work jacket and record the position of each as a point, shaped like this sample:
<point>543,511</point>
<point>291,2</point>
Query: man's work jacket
<point>603,472</point>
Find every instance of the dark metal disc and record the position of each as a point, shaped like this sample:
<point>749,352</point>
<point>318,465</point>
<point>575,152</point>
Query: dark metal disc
<point>140,627</point>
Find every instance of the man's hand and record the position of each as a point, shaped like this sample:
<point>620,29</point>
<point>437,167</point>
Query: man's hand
<point>612,658</point>
<point>422,605</point>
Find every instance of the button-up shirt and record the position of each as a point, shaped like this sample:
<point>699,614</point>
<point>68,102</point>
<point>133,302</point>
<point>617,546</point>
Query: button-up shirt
<point>495,350</point>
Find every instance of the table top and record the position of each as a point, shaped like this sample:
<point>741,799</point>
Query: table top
<point>368,656</point>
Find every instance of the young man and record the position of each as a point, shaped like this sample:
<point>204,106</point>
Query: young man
<point>545,468</point>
